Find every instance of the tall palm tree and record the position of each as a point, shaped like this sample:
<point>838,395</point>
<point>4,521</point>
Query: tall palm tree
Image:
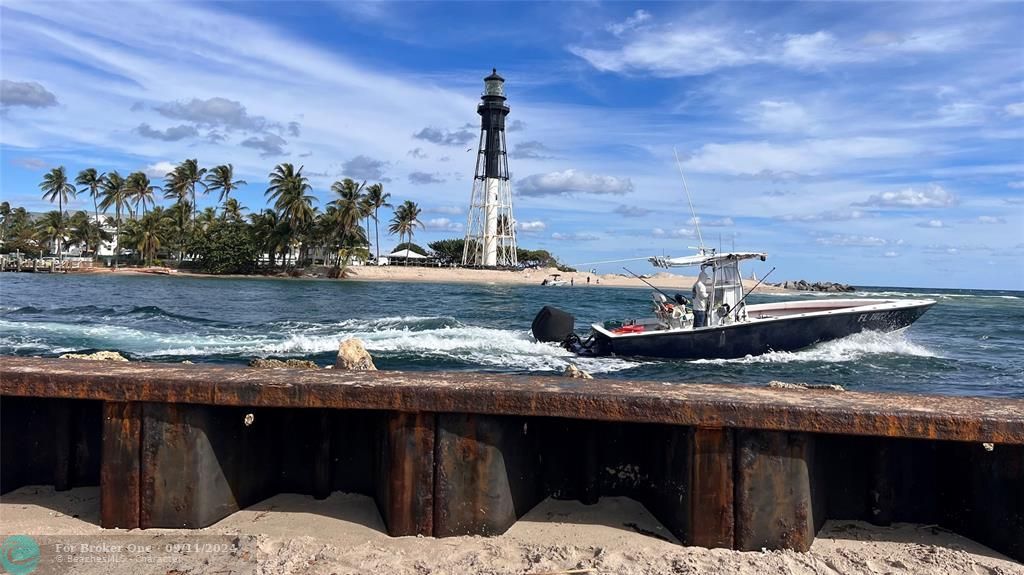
<point>93,182</point>
<point>176,188</point>
<point>115,194</point>
<point>377,199</point>
<point>290,191</point>
<point>55,186</point>
<point>140,190</point>
<point>5,215</point>
<point>350,204</point>
<point>222,178</point>
<point>405,220</point>
<point>185,177</point>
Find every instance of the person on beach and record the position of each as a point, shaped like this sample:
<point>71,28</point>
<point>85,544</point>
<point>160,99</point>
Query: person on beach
<point>572,282</point>
<point>700,300</point>
<point>588,280</point>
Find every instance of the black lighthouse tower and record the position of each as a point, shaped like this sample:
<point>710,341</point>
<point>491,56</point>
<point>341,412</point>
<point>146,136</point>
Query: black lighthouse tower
<point>490,229</point>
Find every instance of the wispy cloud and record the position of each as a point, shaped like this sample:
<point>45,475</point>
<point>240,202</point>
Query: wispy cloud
<point>28,94</point>
<point>424,178</point>
<point>577,237</point>
<point>532,227</point>
<point>172,134</point>
<point>364,168</point>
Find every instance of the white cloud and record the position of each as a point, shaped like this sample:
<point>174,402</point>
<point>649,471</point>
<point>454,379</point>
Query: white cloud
<point>806,157</point>
<point>891,254</point>
<point>713,223</point>
<point>572,182</point>
<point>30,163</point>
<point>364,168</point>
<point>1018,185</point>
<point>852,240</point>
<point>669,52</point>
<point>1015,109</point>
<point>828,216</point>
<point>933,196</point>
<point>780,116</point>
<point>423,178</point>
<point>159,169</point>
<point>989,220</point>
<point>442,224</point>
<point>578,236</point>
<point>674,233</point>
<point>534,226</point>
<point>631,23</point>
<point>932,224</point>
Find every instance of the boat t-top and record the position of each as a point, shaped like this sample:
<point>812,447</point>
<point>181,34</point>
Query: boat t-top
<point>554,280</point>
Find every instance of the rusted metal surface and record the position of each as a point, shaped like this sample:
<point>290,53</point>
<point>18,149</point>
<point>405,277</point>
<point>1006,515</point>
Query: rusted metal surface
<point>487,474</point>
<point>405,485</point>
<point>120,471</point>
<point>878,414</point>
<point>774,501</point>
<point>711,486</point>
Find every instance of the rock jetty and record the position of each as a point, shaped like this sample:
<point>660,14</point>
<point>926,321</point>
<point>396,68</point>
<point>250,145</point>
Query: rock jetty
<point>352,355</point>
<point>98,356</point>
<point>802,285</point>
<point>277,363</point>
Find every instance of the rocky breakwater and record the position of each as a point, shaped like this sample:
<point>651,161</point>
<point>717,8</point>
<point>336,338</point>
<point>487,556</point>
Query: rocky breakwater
<point>801,285</point>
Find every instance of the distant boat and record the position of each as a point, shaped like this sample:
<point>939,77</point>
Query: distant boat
<point>554,281</point>
<point>733,328</point>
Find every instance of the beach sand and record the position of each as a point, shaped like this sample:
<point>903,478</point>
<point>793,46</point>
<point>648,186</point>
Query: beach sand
<point>398,273</point>
<point>344,534</point>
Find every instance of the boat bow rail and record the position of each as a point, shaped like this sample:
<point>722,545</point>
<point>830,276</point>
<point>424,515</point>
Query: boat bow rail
<point>463,453</point>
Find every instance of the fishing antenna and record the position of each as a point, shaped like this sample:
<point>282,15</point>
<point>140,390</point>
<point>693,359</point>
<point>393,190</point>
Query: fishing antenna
<point>696,224</point>
<point>668,297</point>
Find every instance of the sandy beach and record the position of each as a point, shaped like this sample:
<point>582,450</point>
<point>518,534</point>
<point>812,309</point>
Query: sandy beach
<point>344,534</point>
<point>398,273</point>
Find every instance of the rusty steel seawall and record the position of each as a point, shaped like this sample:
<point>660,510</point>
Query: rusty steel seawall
<point>449,454</point>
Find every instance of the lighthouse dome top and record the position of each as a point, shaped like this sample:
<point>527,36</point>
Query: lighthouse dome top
<point>494,85</point>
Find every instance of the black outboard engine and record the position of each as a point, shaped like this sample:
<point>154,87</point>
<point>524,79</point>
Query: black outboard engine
<point>553,325</point>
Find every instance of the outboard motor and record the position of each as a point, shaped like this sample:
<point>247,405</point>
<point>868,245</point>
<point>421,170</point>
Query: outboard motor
<point>553,325</point>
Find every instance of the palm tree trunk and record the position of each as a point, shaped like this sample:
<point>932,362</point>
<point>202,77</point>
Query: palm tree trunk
<point>60,224</point>
<point>96,211</point>
<point>376,233</point>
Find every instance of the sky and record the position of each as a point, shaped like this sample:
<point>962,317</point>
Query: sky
<point>865,143</point>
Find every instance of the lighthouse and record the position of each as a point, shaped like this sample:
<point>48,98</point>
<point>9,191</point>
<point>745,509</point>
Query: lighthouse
<point>490,227</point>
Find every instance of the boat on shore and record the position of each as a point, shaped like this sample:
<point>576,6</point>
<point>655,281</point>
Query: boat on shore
<point>732,328</point>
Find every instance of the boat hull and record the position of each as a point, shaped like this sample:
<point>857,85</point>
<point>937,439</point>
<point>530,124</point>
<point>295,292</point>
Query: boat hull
<point>757,337</point>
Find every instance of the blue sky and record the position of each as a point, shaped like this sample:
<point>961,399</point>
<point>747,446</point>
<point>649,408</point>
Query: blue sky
<point>869,143</point>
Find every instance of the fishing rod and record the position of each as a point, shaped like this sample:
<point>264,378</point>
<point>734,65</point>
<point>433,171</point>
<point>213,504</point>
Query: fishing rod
<point>670,298</point>
<point>751,290</point>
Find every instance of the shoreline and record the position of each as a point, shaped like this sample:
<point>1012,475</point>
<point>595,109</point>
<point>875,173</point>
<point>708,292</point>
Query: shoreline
<point>414,274</point>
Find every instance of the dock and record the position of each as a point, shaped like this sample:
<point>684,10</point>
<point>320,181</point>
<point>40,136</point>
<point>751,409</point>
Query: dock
<point>445,454</point>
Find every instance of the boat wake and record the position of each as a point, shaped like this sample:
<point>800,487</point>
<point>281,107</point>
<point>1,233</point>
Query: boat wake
<point>851,348</point>
<point>154,335</point>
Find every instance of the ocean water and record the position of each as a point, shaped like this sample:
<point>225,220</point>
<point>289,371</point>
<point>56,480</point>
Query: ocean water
<point>968,344</point>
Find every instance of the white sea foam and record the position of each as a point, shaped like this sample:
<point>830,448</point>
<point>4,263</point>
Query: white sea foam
<point>850,348</point>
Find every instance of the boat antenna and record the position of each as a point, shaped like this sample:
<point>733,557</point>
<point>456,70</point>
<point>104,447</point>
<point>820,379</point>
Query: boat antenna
<point>655,288</point>
<point>696,223</point>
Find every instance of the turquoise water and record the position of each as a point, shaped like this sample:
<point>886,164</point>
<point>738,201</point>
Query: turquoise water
<point>968,344</point>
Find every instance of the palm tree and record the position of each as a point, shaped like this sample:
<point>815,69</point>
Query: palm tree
<point>405,220</point>
<point>289,190</point>
<point>176,188</point>
<point>270,233</point>
<point>50,228</point>
<point>5,213</point>
<point>115,193</point>
<point>376,199</point>
<point>55,186</point>
<point>140,190</point>
<point>351,206</point>
<point>222,178</point>
<point>93,182</point>
<point>149,233</point>
<point>232,210</point>
<point>191,174</point>
<point>88,231</point>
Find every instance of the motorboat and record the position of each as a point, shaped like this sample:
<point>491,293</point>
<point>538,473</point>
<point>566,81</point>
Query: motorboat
<point>732,328</point>
<point>554,281</point>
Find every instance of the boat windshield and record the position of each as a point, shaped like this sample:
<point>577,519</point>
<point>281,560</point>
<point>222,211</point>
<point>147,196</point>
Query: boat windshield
<point>728,286</point>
